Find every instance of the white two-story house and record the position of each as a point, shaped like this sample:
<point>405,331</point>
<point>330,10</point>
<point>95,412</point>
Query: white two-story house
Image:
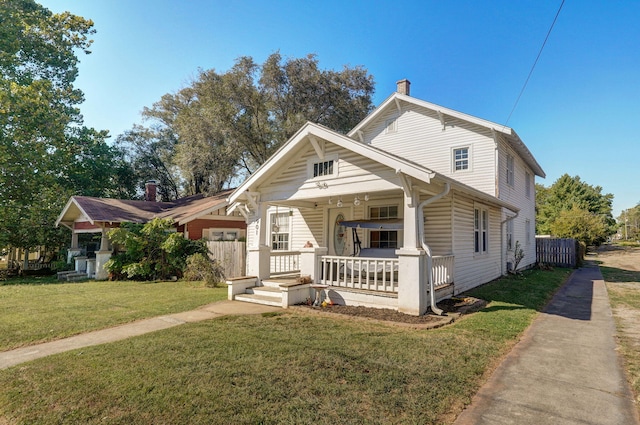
<point>416,204</point>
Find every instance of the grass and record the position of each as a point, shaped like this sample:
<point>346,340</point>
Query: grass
<point>282,368</point>
<point>624,293</point>
<point>41,309</point>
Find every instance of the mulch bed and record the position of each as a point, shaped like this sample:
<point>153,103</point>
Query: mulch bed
<point>453,307</point>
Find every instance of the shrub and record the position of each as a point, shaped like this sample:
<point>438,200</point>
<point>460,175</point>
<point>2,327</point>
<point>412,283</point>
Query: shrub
<point>201,267</point>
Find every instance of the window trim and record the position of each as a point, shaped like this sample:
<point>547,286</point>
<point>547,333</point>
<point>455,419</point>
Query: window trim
<point>399,234</point>
<point>509,235</point>
<point>311,162</point>
<point>481,226</point>
<point>272,233</point>
<point>510,167</point>
<point>454,160</point>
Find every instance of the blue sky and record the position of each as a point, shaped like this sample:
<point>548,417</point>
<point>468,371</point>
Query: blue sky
<point>580,113</point>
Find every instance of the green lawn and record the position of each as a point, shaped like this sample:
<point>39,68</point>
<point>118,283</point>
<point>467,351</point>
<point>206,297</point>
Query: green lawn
<point>280,368</point>
<point>624,293</point>
<point>38,310</point>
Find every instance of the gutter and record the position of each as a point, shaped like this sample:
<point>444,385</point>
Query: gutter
<point>502,251</point>
<point>423,243</point>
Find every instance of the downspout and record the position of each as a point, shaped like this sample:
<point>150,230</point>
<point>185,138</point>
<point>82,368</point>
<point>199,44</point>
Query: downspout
<point>423,242</point>
<point>502,251</point>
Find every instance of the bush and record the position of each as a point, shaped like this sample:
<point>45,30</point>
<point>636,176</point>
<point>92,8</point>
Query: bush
<point>200,267</point>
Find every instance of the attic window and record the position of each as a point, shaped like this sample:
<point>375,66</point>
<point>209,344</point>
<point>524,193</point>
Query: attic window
<point>324,168</point>
<point>391,125</point>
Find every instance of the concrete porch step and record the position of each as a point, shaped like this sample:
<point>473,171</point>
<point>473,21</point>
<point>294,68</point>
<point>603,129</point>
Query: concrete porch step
<point>260,299</point>
<point>76,276</point>
<point>267,291</point>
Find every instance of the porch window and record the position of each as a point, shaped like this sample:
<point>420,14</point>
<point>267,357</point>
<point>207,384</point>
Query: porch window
<point>280,231</point>
<point>460,159</point>
<point>383,238</point>
<point>510,175</point>
<point>481,230</point>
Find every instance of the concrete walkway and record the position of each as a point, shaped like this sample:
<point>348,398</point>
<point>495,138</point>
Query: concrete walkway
<point>565,370</point>
<point>103,336</point>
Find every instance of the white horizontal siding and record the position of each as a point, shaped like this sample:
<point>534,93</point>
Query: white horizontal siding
<point>438,229</point>
<point>420,137</point>
<point>472,269</point>
<point>516,195</point>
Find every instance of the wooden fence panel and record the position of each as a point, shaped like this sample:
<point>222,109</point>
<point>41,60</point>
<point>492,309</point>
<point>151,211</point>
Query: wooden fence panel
<point>232,256</point>
<point>557,252</point>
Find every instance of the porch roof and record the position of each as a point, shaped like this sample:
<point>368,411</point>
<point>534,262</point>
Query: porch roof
<point>317,134</point>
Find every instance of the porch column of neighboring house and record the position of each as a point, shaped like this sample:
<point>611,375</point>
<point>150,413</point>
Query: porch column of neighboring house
<point>258,252</point>
<point>74,250</point>
<point>412,282</point>
<point>102,256</point>
<point>25,262</point>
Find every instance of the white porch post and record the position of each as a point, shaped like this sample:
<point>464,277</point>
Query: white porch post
<point>25,262</point>
<point>259,253</point>
<point>103,256</point>
<point>412,284</point>
<point>310,262</point>
<point>74,251</point>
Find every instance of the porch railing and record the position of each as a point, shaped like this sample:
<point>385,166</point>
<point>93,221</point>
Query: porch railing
<point>442,266</point>
<point>285,262</point>
<point>375,274</point>
<point>378,274</point>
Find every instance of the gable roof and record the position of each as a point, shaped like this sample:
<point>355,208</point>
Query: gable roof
<point>108,210</point>
<point>311,131</point>
<point>508,133</point>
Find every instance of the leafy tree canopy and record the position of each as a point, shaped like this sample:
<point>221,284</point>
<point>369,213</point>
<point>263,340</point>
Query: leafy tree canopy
<point>46,154</point>
<point>225,125</point>
<point>574,209</point>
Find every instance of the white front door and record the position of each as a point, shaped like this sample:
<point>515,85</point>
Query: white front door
<point>340,241</point>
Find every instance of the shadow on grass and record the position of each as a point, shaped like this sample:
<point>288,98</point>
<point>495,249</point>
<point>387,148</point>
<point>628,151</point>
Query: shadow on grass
<point>32,280</point>
<point>533,290</point>
<point>617,275</point>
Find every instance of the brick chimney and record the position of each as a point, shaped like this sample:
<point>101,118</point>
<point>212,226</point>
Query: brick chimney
<point>150,191</point>
<point>404,87</point>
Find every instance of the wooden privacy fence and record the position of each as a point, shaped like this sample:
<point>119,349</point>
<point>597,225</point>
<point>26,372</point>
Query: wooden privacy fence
<point>231,255</point>
<point>557,252</point>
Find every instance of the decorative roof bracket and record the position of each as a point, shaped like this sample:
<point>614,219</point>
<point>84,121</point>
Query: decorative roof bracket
<point>317,145</point>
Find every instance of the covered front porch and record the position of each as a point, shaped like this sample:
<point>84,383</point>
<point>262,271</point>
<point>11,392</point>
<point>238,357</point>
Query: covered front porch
<point>347,257</point>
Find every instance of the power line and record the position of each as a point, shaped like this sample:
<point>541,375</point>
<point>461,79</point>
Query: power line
<point>534,63</point>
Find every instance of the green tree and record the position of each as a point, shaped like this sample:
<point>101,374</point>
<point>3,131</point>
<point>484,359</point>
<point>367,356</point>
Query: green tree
<point>629,223</point>
<point>46,154</point>
<point>569,206</point>
<point>224,125</point>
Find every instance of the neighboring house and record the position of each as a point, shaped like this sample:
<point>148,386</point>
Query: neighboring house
<point>196,217</point>
<point>416,204</point>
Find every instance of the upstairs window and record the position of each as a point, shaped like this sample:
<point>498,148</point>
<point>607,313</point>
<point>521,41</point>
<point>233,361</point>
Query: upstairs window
<point>510,176</point>
<point>527,184</point>
<point>460,159</point>
<point>383,238</point>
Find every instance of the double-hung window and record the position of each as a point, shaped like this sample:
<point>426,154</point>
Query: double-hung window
<point>481,230</point>
<point>510,170</point>
<point>383,238</point>
<point>509,235</point>
<point>460,159</point>
<point>280,231</point>
<point>527,184</point>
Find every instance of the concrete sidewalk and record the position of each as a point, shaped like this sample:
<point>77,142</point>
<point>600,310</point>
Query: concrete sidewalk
<point>103,336</point>
<point>565,370</point>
